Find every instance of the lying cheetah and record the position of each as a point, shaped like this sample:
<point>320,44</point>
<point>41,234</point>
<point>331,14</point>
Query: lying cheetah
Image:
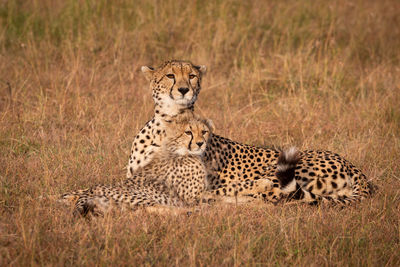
<point>320,176</point>
<point>175,177</point>
<point>236,169</point>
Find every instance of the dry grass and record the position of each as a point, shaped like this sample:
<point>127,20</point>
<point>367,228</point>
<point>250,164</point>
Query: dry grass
<point>314,74</point>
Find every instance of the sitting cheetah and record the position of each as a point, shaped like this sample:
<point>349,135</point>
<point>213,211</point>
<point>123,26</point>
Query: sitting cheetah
<point>236,169</point>
<point>175,177</point>
<point>175,86</point>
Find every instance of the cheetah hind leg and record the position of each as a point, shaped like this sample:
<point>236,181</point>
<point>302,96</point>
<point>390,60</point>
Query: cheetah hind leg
<point>267,189</point>
<point>91,206</point>
<point>272,187</point>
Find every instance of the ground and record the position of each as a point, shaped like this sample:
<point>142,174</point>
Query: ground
<point>320,75</point>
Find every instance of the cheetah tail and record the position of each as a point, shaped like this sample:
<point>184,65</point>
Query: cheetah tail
<point>286,166</point>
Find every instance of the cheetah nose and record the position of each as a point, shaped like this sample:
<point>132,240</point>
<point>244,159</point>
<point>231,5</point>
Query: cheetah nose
<point>183,90</point>
<point>200,143</point>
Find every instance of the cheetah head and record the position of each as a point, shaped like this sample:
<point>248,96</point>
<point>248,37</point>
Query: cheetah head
<point>175,85</point>
<point>189,135</point>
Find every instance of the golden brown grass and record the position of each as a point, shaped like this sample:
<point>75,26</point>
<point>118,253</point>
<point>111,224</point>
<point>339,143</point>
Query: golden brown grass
<point>320,74</point>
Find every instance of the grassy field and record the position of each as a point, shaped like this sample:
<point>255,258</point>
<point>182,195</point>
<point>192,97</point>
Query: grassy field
<point>315,74</point>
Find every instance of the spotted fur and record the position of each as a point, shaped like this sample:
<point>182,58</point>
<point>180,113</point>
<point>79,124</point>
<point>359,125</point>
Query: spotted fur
<point>236,169</point>
<point>175,177</point>
<point>175,86</point>
<point>323,176</point>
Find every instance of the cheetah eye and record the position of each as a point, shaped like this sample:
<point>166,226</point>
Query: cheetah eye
<point>192,76</point>
<point>171,76</point>
<point>188,132</point>
<point>204,132</point>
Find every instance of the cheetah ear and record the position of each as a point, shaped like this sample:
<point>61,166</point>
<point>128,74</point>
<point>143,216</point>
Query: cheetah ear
<point>202,69</point>
<point>148,72</point>
<point>210,124</point>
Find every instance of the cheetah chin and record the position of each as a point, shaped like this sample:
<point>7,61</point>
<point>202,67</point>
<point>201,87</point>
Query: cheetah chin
<point>198,152</point>
<point>184,101</point>
<point>185,151</point>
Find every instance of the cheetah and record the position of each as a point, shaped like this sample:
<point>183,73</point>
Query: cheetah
<point>235,169</point>
<point>175,177</point>
<point>175,86</point>
<point>323,176</point>
<point>320,176</point>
